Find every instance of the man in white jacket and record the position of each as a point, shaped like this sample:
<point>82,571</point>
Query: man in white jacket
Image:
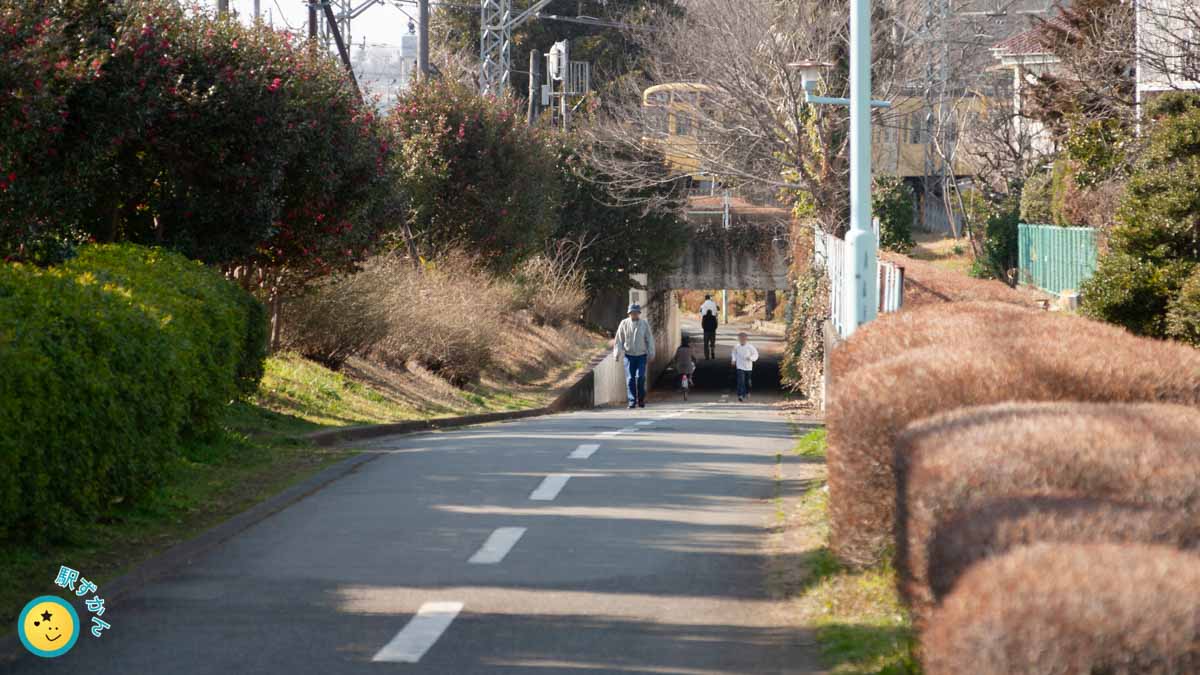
<point>635,341</point>
<point>744,356</point>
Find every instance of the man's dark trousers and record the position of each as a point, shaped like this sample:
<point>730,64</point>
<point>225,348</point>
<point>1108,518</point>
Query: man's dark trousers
<point>743,382</point>
<point>635,377</point>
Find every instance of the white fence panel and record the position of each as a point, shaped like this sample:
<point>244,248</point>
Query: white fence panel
<point>829,253</point>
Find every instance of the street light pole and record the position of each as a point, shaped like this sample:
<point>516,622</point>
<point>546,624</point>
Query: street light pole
<point>861,301</point>
<point>423,39</point>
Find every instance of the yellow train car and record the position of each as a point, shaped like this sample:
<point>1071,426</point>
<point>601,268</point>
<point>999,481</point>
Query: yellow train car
<point>672,115</point>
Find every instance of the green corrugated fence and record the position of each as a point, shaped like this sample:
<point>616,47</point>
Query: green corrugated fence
<point>1056,259</point>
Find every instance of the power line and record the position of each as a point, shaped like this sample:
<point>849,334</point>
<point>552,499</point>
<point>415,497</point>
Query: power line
<point>283,16</point>
<point>593,21</point>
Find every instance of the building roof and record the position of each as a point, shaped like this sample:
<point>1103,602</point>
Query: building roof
<point>1031,42</point>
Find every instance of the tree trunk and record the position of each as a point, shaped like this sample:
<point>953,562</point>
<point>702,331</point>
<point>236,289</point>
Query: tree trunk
<point>276,307</point>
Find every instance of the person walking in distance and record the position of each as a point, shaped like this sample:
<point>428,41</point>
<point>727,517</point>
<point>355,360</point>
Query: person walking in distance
<point>635,342</point>
<point>708,321</point>
<point>744,356</point>
<point>685,363</point>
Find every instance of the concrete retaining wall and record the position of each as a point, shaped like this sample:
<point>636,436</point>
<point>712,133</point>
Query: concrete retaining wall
<point>707,266</point>
<point>605,383</point>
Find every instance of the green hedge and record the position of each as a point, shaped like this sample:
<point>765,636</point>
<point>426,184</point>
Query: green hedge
<point>109,364</point>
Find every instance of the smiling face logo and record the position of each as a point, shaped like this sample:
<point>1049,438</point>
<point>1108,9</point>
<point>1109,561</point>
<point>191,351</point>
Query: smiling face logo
<point>48,626</point>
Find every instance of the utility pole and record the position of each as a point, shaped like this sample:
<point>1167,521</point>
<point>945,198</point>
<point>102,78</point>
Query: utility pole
<point>861,301</point>
<point>257,9</point>
<point>496,23</point>
<point>313,28</point>
<point>535,87</point>
<point>423,39</point>
<point>332,24</point>
<point>222,7</point>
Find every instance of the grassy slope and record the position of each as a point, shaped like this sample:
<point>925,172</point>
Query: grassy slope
<point>943,251</point>
<point>261,453</point>
<point>861,626</point>
<point>215,480</point>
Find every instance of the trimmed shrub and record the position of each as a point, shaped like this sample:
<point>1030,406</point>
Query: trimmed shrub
<point>1035,198</point>
<point>927,284</point>
<point>996,255</point>
<point>160,123</point>
<point>1152,248</point>
<point>898,332</point>
<point>954,462</point>
<point>1052,609</point>
<point>218,329</point>
<point>1132,292</point>
<point>1069,359</point>
<point>997,526</point>
<point>894,205</point>
<point>475,174</point>
<point>105,364</point>
<point>1183,313</point>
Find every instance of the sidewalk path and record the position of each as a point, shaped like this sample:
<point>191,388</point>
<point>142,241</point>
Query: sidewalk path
<point>614,541</point>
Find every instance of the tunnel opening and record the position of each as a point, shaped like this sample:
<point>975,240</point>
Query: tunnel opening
<point>757,313</point>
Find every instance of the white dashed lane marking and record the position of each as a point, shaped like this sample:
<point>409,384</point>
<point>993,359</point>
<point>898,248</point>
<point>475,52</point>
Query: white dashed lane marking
<point>421,632</point>
<point>497,546</point>
<point>584,451</point>
<point>550,487</point>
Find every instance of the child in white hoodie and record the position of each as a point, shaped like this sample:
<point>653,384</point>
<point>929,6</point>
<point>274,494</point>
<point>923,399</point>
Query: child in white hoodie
<point>743,358</point>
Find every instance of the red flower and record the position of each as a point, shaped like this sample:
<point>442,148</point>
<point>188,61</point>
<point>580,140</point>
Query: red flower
<point>275,83</point>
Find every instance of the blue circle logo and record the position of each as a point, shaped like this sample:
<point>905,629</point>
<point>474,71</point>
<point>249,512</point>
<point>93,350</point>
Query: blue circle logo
<point>48,626</point>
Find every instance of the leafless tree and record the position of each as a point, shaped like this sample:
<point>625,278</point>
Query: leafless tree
<point>748,122</point>
<point>1168,48</point>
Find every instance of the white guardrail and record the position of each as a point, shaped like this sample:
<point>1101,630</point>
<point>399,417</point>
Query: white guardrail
<point>829,253</point>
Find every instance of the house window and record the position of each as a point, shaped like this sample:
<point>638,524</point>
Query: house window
<point>916,128</point>
<point>1191,55</point>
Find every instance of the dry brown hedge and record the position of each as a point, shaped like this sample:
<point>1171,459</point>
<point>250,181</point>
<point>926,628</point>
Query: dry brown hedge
<point>925,283</point>
<point>945,324</point>
<point>1000,525</point>
<point>1072,360</point>
<point>1054,609</point>
<point>945,465</point>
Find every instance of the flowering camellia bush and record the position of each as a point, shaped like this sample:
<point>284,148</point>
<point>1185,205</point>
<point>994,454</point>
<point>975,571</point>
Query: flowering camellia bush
<point>477,177</point>
<point>153,123</point>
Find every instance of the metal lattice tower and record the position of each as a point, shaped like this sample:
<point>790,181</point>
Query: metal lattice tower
<point>495,41</point>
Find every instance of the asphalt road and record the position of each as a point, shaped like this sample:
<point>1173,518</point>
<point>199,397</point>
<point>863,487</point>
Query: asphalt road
<point>603,541</point>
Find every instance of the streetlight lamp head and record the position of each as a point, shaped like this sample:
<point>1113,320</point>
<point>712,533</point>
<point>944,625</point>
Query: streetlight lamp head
<point>810,72</point>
